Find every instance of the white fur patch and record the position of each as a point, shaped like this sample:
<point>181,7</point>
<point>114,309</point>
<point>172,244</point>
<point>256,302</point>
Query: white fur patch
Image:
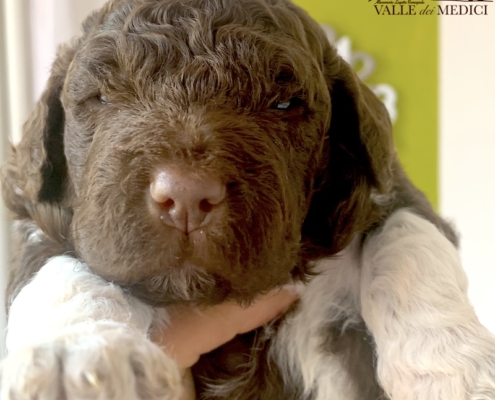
<point>332,296</point>
<point>73,335</point>
<point>429,343</point>
<point>63,293</point>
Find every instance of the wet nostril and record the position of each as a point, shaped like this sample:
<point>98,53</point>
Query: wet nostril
<point>169,203</point>
<point>205,206</point>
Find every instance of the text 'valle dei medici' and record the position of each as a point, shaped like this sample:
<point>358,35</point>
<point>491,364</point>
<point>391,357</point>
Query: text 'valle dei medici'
<point>411,7</point>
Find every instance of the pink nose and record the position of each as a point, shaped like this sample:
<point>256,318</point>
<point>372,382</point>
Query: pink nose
<point>186,199</point>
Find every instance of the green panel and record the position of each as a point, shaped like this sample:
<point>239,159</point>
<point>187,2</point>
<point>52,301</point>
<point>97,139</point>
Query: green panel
<point>405,50</point>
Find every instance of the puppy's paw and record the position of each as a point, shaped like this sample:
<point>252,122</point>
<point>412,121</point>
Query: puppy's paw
<point>453,364</point>
<point>484,377</point>
<point>97,361</point>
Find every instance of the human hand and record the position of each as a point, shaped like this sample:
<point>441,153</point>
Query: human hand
<point>193,332</point>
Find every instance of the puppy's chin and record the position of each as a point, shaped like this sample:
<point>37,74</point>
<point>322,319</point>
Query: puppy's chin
<point>194,285</point>
<point>188,284</point>
<point>164,266</point>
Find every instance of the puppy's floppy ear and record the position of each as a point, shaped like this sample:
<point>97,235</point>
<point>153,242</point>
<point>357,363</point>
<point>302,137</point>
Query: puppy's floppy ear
<point>35,172</point>
<point>36,169</point>
<point>360,161</point>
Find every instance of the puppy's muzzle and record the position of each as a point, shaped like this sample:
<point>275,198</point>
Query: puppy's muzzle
<point>186,199</point>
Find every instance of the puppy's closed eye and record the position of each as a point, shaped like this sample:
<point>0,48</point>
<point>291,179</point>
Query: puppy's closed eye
<point>102,99</point>
<point>287,105</point>
<point>97,100</point>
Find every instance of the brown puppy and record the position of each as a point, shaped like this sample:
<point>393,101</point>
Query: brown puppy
<point>200,151</point>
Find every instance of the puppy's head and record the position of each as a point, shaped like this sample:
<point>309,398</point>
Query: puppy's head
<point>207,149</point>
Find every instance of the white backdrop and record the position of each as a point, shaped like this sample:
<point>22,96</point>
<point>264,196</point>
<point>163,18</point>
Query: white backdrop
<point>54,22</point>
<point>467,123</point>
<point>467,147</point>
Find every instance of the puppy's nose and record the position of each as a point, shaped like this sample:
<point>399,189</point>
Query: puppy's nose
<point>186,199</point>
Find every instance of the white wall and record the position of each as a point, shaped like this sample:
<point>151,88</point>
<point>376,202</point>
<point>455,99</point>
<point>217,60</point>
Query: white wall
<point>15,102</point>
<point>54,22</point>
<point>4,127</point>
<point>467,147</point>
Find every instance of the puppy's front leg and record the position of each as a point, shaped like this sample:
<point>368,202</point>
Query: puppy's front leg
<point>72,335</point>
<point>429,342</point>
